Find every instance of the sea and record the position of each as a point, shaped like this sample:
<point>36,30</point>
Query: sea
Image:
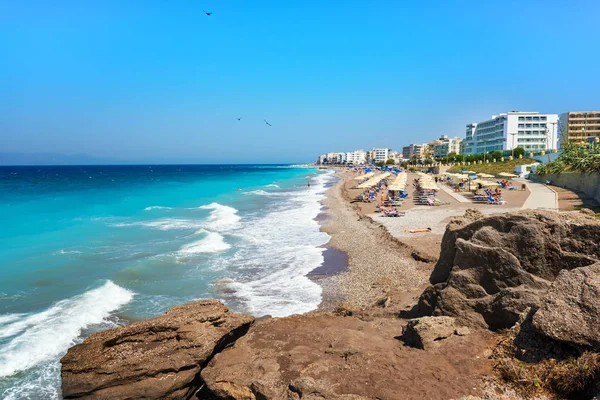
<point>87,248</point>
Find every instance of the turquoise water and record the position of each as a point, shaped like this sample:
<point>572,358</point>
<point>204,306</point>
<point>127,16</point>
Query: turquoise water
<point>88,248</point>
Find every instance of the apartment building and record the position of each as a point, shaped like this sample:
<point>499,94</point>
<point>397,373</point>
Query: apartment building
<point>381,155</point>
<point>357,157</point>
<point>579,126</point>
<point>414,150</point>
<point>446,146</point>
<point>531,130</point>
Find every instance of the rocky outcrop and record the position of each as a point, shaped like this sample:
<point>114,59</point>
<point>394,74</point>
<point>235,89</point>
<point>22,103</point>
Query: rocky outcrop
<point>323,356</point>
<point>570,311</point>
<point>423,333</point>
<point>492,269</point>
<point>159,358</point>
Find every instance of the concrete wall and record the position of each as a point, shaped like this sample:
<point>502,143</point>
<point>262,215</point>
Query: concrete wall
<point>586,183</point>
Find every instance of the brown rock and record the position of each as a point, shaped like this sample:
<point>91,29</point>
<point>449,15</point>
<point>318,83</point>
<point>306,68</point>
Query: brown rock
<point>159,358</point>
<point>570,312</point>
<point>323,356</point>
<point>492,269</point>
<point>423,333</point>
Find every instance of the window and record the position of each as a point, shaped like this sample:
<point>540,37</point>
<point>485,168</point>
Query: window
<point>521,132</point>
<point>542,125</point>
<point>521,118</point>
<point>527,125</point>
<point>527,118</point>
<point>536,118</point>
<point>521,125</point>
<point>536,125</point>
<point>543,118</point>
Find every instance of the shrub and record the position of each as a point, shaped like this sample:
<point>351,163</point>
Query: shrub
<point>519,151</point>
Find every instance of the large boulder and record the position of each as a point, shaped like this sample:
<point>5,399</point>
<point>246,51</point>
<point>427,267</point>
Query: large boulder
<point>425,332</point>
<point>570,311</point>
<point>492,269</point>
<point>159,358</point>
<point>323,356</point>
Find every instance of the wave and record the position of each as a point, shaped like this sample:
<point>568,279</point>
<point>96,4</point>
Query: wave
<point>258,193</point>
<point>213,242</point>
<point>157,208</point>
<point>48,334</point>
<point>278,250</point>
<point>4,319</point>
<point>272,185</point>
<point>221,217</point>
<point>165,224</point>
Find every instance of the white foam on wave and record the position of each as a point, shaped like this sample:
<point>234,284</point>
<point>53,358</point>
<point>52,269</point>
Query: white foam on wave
<point>213,242</point>
<point>164,224</point>
<point>272,185</point>
<point>258,193</point>
<point>46,335</point>
<point>157,208</point>
<point>221,217</point>
<point>281,248</point>
<point>4,319</point>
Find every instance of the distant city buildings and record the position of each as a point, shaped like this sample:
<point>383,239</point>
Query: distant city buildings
<point>579,126</point>
<point>532,131</point>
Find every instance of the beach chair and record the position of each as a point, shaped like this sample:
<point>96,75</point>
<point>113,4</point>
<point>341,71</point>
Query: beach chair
<point>491,200</point>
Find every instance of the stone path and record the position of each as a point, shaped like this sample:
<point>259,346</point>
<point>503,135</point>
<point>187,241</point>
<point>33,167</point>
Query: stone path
<point>456,196</point>
<point>541,197</point>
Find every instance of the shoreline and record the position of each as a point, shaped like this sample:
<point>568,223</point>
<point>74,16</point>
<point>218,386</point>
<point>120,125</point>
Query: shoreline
<point>379,270</point>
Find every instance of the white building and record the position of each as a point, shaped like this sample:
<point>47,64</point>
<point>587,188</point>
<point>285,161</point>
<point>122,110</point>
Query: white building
<point>357,157</point>
<point>381,155</point>
<point>446,146</point>
<point>530,130</point>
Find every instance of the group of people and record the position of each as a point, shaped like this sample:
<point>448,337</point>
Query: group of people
<point>370,195</point>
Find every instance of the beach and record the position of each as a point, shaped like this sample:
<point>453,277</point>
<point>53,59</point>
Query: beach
<point>386,264</point>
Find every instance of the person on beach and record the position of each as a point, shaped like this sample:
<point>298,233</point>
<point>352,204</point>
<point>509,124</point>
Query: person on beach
<point>308,183</point>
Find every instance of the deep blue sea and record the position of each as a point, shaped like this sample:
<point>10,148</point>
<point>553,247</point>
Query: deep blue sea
<point>92,247</point>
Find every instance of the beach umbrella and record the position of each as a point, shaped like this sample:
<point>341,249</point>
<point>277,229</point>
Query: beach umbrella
<point>486,176</point>
<point>507,175</point>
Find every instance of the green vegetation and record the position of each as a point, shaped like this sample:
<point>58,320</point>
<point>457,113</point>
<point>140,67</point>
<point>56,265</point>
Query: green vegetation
<point>497,155</point>
<point>518,151</point>
<point>577,158</point>
<point>493,168</point>
<point>380,164</point>
<point>390,161</point>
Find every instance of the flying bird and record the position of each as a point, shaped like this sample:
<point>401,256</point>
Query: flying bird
<point>267,122</point>
<point>239,119</point>
<point>207,13</point>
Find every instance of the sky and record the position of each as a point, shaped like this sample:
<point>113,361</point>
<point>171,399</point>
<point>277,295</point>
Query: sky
<point>160,81</point>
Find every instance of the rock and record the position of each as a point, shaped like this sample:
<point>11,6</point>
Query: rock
<point>492,269</point>
<point>570,311</point>
<point>425,332</point>
<point>324,356</point>
<point>159,358</point>
<point>462,331</point>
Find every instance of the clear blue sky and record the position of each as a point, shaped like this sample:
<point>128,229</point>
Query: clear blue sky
<point>162,82</point>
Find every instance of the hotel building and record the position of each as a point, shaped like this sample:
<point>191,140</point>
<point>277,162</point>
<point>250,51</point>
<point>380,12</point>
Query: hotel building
<point>530,130</point>
<point>579,126</point>
<point>446,146</point>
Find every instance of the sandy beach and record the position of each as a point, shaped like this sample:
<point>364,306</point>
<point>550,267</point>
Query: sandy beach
<point>386,264</point>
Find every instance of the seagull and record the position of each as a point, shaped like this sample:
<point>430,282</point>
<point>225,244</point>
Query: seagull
<point>267,122</point>
<point>207,13</point>
<point>240,118</point>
